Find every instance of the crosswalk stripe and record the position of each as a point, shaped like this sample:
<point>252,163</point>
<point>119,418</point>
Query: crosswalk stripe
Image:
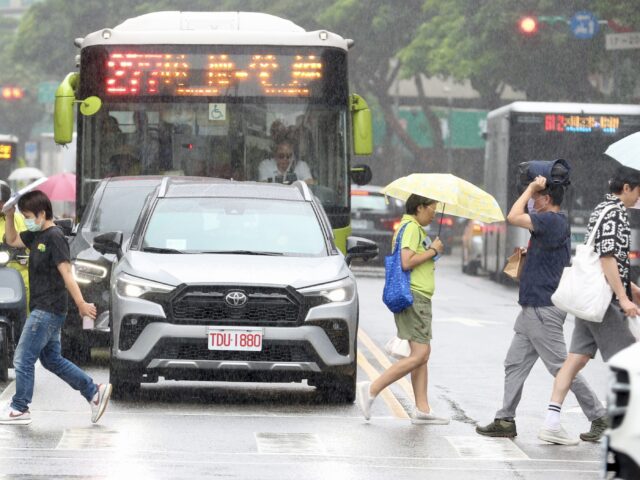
<point>391,401</point>
<point>384,361</point>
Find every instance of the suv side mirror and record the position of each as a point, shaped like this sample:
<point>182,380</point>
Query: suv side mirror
<point>362,248</point>
<point>110,242</point>
<point>66,224</point>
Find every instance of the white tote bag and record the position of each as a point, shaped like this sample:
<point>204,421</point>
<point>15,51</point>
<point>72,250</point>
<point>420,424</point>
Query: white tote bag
<point>583,289</point>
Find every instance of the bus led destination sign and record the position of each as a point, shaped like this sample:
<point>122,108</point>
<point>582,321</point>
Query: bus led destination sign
<point>200,74</point>
<point>581,123</point>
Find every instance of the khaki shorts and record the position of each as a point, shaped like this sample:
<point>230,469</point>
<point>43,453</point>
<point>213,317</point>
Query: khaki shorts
<point>610,336</point>
<point>414,323</point>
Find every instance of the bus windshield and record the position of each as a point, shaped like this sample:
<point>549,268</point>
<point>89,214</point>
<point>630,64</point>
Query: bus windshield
<point>271,114</point>
<point>268,142</point>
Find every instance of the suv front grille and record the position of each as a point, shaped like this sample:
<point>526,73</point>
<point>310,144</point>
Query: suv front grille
<point>172,349</point>
<point>619,397</point>
<point>265,306</point>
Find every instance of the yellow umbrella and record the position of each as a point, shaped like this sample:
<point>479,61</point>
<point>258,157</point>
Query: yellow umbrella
<point>457,196</point>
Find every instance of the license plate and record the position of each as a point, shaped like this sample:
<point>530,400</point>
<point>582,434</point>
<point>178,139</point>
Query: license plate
<point>361,224</point>
<point>234,338</point>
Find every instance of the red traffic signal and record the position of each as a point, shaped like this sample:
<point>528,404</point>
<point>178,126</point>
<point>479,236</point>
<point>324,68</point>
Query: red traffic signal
<point>12,93</point>
<point>528,25</point>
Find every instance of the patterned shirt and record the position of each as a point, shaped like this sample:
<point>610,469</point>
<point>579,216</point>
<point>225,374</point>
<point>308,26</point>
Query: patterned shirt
<point>613,237</point>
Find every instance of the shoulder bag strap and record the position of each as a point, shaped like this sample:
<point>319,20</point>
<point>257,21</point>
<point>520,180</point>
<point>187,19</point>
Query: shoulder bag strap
<point>399,237</point>
<point>592,237</point>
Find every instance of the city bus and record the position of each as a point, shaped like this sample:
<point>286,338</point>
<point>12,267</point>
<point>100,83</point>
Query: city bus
<point>8,147</point>
<point>576,132</point>
<point>209,94</point>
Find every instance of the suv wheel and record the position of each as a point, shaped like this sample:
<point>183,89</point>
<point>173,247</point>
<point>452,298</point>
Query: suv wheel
<point>76,349</point>
<point>338,388</point>
<point>125,385</point>
<point>4,355</point>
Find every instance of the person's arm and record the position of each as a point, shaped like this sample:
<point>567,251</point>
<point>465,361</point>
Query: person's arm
<point>411,259</point>
<point>610,269</point>
<point>85,309</point>
<point>517,215</point>
<point>12,236</point>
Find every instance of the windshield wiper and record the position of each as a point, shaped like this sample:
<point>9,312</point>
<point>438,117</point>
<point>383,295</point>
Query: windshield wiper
<point>244,252</point>
<point>161,250</point>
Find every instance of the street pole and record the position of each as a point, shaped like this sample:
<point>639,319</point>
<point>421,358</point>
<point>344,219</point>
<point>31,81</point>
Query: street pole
<point>447,90</point>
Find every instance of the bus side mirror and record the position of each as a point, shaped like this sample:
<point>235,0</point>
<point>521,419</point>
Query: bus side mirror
<point>63,109</point>
<point>362,126</point>
<point>361,174</point>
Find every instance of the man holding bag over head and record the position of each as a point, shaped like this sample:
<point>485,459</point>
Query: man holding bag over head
<point>539,326</point>
<point>414,322</point>
<point>612,242</point>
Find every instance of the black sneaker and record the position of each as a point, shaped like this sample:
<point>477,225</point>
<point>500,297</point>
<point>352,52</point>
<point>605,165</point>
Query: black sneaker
<point>598,427</point>
<point>499,428</point>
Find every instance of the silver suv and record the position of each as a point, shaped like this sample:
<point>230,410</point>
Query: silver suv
<point>226,280</point>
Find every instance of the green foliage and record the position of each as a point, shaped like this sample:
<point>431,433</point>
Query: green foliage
<point>467,39</point>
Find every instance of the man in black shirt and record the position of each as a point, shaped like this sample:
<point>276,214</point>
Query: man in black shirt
<point>50,276</point>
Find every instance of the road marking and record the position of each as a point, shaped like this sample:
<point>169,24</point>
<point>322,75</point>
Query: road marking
<point>289,443</point>
<point>487,448</point>
<point>577,409</point>
<point>84,438</point>
<point>391,401</point>
<point>384,361</point>
<point>467,322</point>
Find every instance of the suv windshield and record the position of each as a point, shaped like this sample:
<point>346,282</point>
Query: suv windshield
<point>119,207</point>
<point>234,225</point>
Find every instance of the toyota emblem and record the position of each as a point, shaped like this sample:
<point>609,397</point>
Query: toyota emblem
<point>235,299</point>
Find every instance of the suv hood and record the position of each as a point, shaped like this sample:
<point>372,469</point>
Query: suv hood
<point>297,272</point>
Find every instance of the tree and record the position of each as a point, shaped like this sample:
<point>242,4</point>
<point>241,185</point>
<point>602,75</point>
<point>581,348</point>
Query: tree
<point>381,29</point>
<point>466,39</point>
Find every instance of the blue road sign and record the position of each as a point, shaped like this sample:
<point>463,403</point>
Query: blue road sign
<point>584,25</point>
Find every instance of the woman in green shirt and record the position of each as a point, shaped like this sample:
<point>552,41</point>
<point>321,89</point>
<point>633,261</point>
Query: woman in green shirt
<point>413,323</point>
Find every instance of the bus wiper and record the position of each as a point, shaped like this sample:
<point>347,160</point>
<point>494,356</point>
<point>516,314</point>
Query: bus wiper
<point>161,250</point>
<point>244,252</point>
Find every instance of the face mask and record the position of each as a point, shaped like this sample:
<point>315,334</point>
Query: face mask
<point>31,225</point>
<point>531,206</point>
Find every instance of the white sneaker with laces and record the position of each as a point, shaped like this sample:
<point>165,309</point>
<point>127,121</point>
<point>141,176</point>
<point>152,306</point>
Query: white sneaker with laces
<point>559,437</point>
<point>364,398</point>
<point>9,416</point>
<point>100,401</point>
<point>418,417</point>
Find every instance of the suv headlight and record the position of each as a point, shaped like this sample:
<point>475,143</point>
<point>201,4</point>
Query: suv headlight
<point>130,286</point>
<point>86,272</point>
<point>341,291</point>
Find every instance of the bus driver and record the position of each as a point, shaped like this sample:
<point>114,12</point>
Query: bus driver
<point>284,168</point>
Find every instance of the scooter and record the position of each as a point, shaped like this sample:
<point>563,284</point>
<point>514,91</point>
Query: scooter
<point>13,307</point>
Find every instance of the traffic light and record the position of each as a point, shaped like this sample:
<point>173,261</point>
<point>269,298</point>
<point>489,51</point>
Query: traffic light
<point>528,25</point>
<point>12,93</point>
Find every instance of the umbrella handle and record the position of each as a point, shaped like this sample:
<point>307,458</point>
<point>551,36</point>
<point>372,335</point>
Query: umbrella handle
<point>441,216</point>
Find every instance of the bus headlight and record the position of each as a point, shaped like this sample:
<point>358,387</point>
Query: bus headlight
<point>86,272</point>
<point>130,286</point>
<point>4,258</point>
<point>341,291</point>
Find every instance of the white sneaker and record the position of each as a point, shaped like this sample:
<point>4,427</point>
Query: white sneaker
<point>9,416</point>
<point>100,401</point>
<point>418,417</point>
<point>364,398</point>
<point>559,437</point>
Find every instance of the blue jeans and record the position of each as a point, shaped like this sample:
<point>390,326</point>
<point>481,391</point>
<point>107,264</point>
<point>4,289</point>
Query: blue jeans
<point>41,339</point>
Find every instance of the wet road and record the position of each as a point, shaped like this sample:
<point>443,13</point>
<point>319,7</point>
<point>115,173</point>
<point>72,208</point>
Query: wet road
<point>218,430</point>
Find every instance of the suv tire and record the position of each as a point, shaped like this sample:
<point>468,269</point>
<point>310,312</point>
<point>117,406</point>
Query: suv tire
<point>76,349</point>
<point>4,355</point>
<point>125,386</point>
<point>338,388</point>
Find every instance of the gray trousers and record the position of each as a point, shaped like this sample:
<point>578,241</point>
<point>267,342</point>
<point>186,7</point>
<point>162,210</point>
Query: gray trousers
<point>539,334</point>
